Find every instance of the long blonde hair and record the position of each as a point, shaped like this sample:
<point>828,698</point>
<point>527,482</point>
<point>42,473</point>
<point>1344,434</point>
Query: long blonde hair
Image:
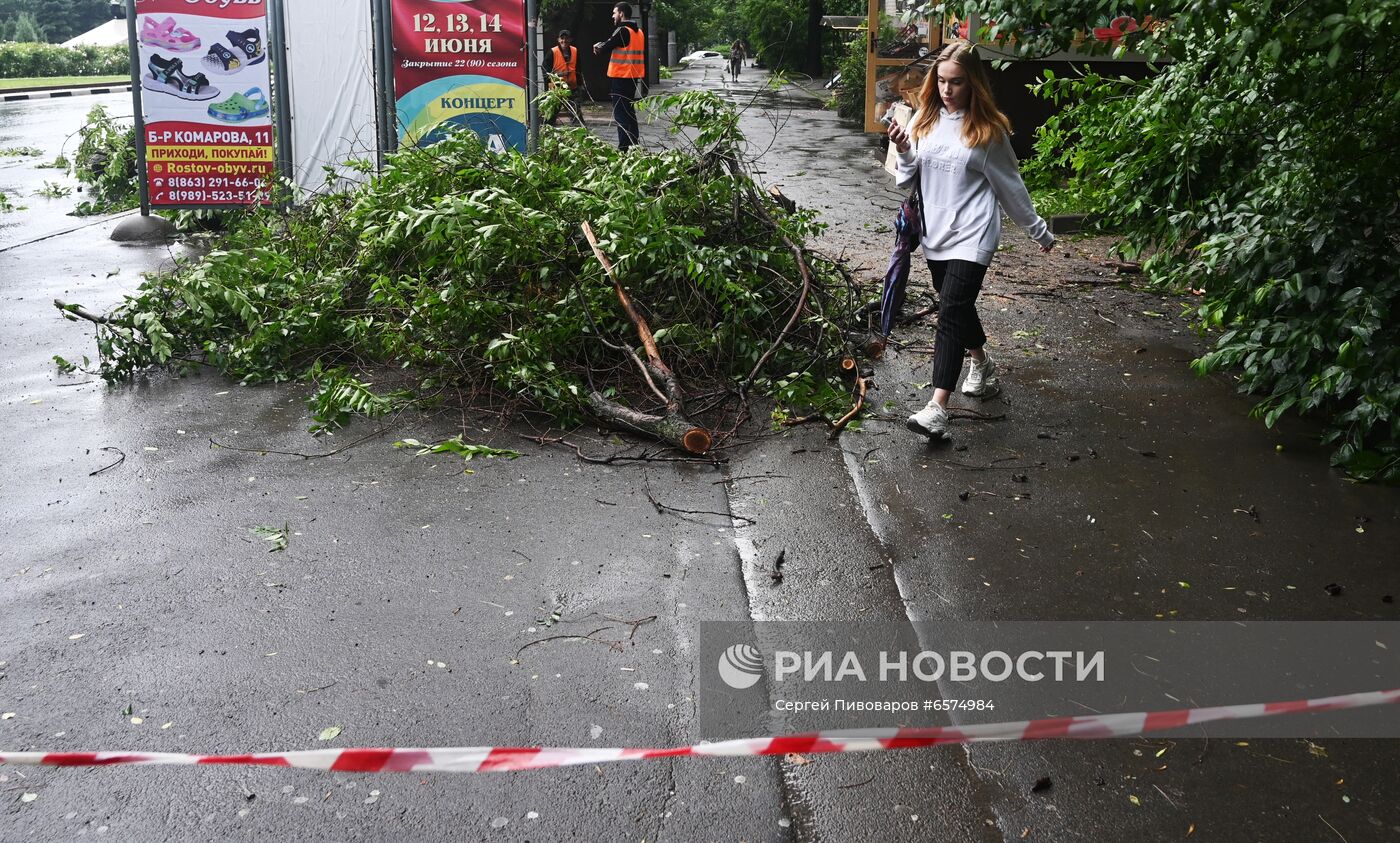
<point>984,122</point>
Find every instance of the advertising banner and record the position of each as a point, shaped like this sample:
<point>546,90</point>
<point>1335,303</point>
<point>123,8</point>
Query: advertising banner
<point>205,101</point>
<point>460,64</point>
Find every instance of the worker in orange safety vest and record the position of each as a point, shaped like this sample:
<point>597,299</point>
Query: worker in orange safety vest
<point>627,68</point>
<point>563,62</point>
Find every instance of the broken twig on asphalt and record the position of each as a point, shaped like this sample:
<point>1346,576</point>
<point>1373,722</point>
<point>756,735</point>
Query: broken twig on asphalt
<point>664,508</point>
<point>615,646</point>
<point>119,461</point>
<point>617,458</point>
<point>751,477</point>
<point>266,451</point>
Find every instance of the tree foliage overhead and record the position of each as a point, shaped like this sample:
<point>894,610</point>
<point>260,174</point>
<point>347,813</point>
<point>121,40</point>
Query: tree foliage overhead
<point>1262,164</point>
<point>58,20</point>
<point>778,31</point>
<point>702,22</point>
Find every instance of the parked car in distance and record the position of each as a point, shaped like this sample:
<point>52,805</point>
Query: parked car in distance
<point>701,55</point>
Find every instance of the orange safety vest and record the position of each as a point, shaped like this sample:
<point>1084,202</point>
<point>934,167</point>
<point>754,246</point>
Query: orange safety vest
<point>567,68</point>
<point>630,61</point>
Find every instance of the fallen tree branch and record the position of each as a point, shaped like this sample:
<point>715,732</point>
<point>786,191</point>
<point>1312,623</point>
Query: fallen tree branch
<point>800,256</point>
<point>846,419</point>
<point>646,374</point>
<point>81,312</point>
<point>643,330</point>
<point>782,199</point>
<point>674,427</point>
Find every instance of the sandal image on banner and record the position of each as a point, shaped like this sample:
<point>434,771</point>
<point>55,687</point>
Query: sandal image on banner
<point>249,41</point>
<point>166,35</point>
<point>168,76</point>
<point>237,108</point>
<point>222,61</point>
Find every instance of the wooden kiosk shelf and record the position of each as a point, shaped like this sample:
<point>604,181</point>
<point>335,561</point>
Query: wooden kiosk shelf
<point>893,73</point>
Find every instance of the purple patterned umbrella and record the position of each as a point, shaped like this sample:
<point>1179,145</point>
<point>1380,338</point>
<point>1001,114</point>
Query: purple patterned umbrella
<point>908,229</point>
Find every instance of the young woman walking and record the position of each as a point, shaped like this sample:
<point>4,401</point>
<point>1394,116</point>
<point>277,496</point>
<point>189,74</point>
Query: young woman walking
<point>958,147</point>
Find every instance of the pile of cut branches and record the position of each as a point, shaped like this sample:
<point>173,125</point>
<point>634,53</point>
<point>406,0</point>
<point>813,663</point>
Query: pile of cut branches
<point>474,271</point>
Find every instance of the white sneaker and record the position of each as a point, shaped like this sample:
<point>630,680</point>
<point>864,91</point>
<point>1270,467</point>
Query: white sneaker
<point>931,421</point>
<point>981,380</point>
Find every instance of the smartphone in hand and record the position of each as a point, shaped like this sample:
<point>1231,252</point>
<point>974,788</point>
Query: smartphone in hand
<point>898,136</point>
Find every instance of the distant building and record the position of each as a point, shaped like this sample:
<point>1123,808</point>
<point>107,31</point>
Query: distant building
<point>113,33</point>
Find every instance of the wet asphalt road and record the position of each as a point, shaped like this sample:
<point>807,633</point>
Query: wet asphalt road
<point>407,588</point>
<point>48,127</point>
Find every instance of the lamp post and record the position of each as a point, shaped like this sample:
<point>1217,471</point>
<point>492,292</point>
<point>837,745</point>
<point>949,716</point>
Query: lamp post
<point>644,22</point>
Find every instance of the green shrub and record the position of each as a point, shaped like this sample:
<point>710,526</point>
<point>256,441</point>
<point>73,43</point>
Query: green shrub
<point>850,91</point>
<point>776,32</point>
<point>106,164</point>
<point>22,61</point>
<point>1261,165</point>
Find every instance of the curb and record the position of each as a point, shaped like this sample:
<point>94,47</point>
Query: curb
<point>115,88</point>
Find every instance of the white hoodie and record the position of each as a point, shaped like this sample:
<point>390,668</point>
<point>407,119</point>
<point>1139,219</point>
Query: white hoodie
<point>961,190</point>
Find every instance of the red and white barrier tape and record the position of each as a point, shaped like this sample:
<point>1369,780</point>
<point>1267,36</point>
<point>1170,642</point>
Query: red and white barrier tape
<point>479,759</point>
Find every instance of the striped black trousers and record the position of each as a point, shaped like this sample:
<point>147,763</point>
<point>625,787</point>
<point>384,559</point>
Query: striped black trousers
<point>959,328</point>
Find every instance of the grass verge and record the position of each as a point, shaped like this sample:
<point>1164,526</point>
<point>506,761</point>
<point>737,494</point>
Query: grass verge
<point>55,81</point>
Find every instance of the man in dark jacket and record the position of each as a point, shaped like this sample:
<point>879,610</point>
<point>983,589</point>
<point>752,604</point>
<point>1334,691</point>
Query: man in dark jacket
<point>627,70</point>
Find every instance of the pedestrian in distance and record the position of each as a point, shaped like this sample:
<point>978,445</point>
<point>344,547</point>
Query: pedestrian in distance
<point>958,150</point>
<point>627,71</point>
<point>563,62</point>
<point>736,59</point>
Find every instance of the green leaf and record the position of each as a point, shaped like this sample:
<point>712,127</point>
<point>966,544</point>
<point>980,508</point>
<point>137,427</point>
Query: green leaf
<point>1273,415</point>
<point>275,537</point>
<point>456,446</point>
